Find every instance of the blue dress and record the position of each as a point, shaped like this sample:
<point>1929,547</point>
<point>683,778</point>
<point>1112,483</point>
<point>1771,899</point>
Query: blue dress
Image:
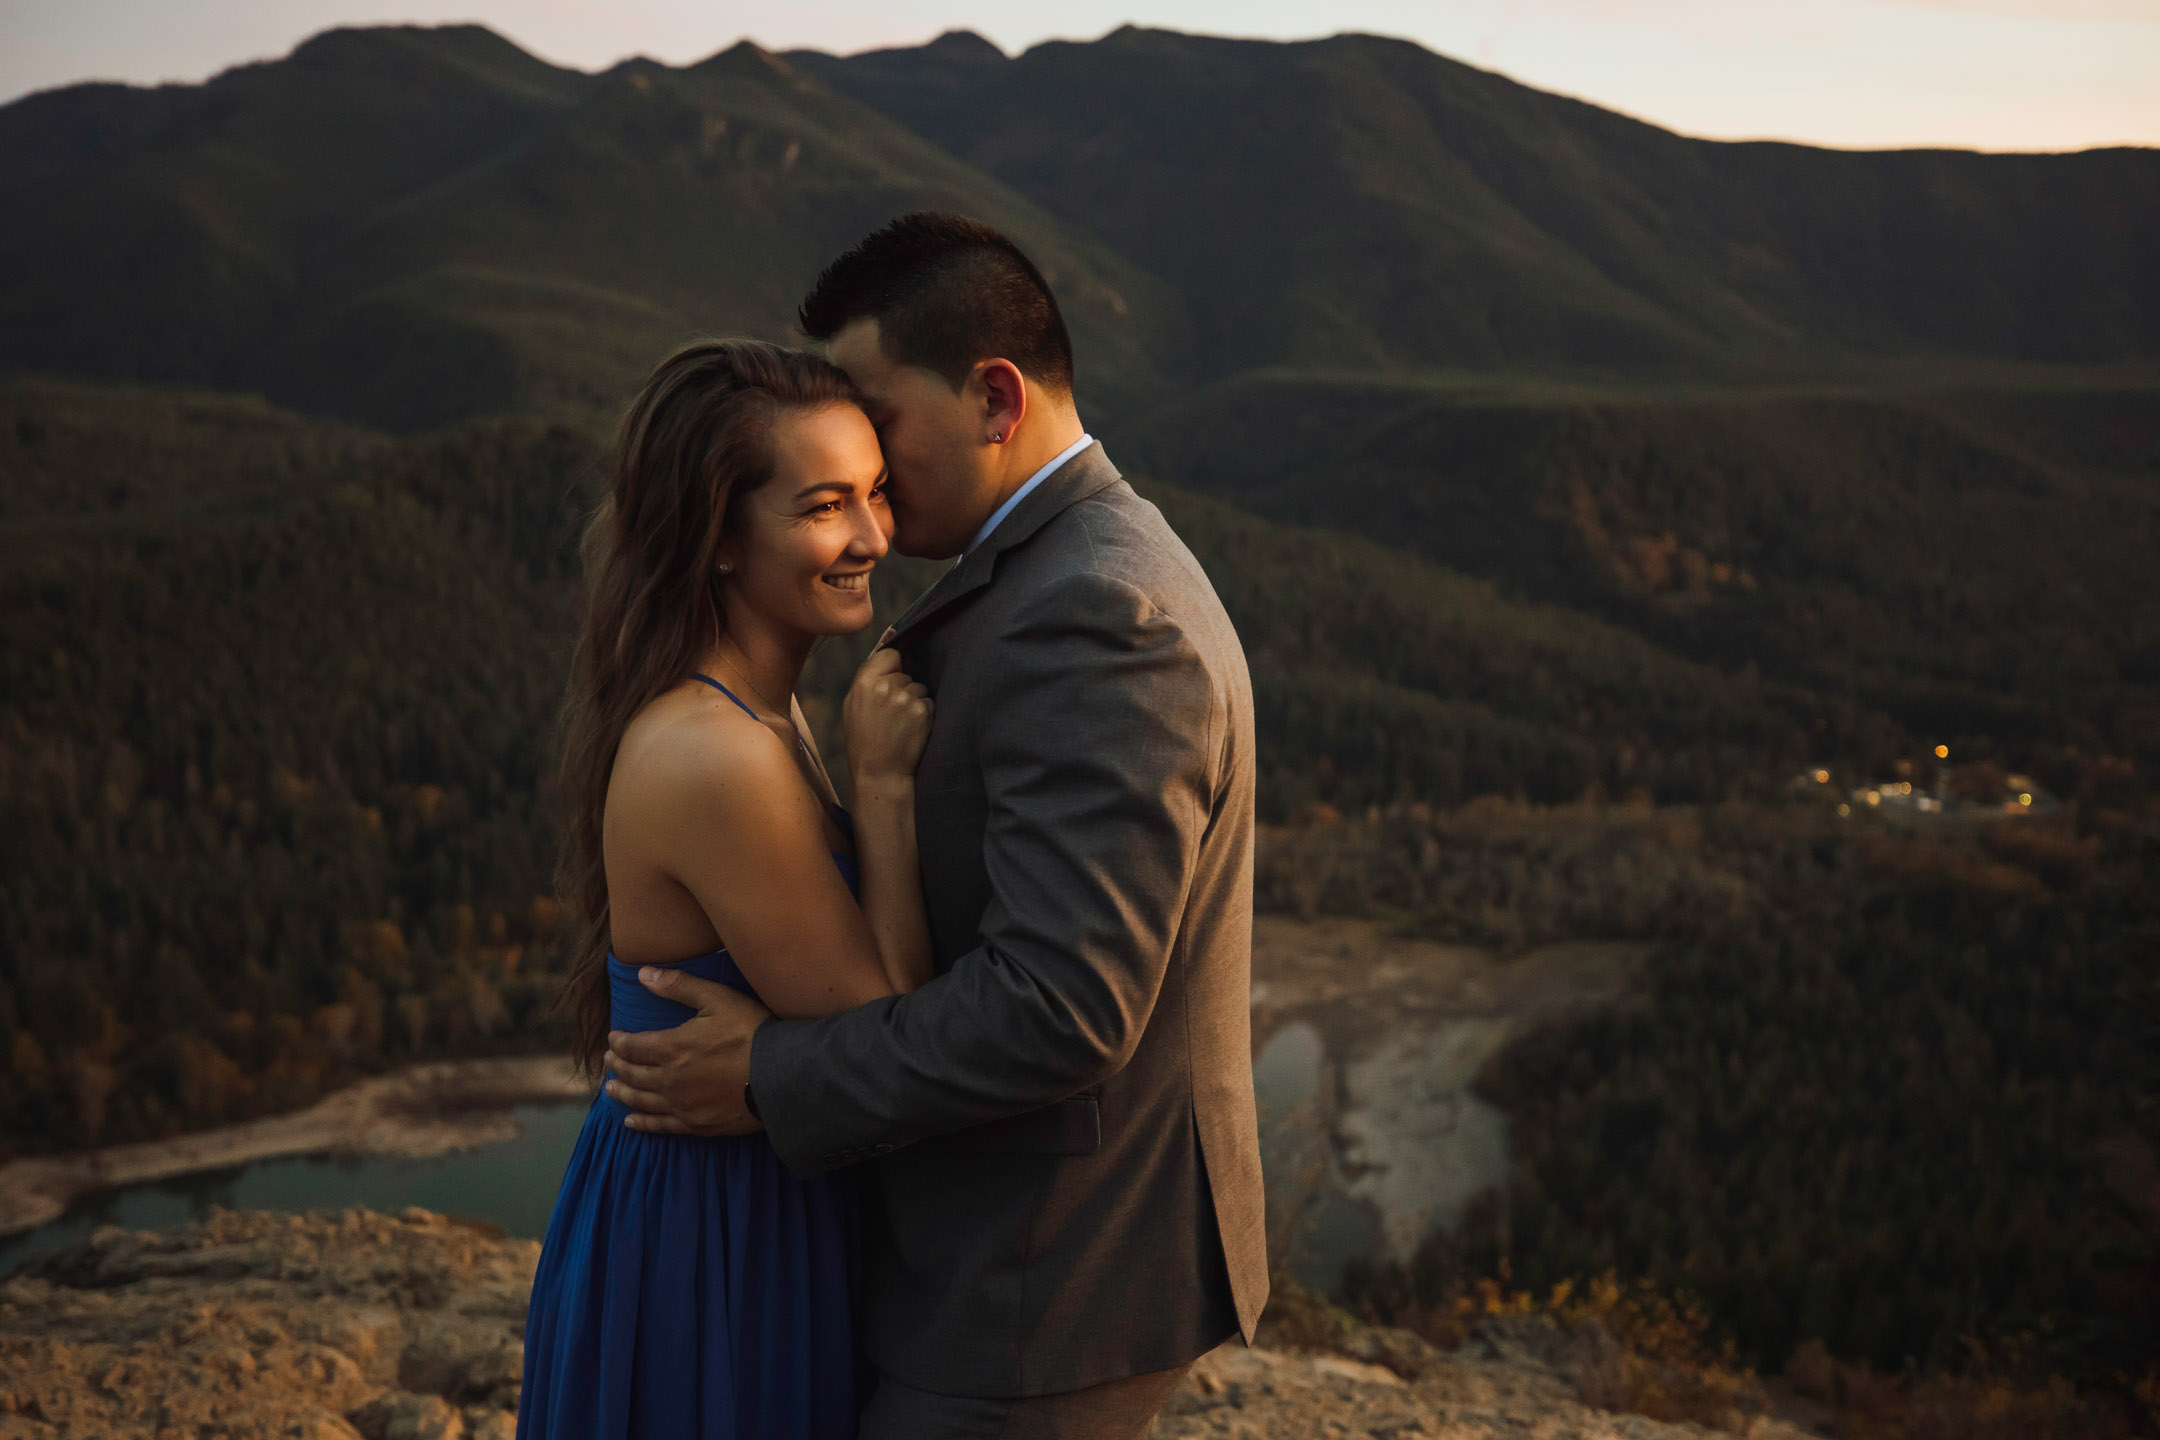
<point>691,1288</point>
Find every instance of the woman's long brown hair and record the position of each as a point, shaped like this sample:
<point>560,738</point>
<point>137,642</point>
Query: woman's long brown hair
<point>692,444</point>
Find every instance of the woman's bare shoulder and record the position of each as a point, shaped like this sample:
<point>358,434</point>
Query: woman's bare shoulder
<point>684,751</point>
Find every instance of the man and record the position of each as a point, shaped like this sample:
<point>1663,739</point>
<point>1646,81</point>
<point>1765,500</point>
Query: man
<point>1065,1204</point>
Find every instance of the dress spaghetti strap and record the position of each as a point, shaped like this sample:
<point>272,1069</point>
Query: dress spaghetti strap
<point>838,811</point>
<point>730,695</point>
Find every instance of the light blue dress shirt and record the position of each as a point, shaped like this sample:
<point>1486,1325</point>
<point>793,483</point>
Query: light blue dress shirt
<point>1022,493</point>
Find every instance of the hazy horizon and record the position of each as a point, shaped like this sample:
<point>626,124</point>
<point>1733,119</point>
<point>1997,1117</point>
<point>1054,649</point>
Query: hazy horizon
<point>1851,74</point>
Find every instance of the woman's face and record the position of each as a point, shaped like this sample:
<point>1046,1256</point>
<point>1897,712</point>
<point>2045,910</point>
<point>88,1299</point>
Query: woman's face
<point>807,538</point>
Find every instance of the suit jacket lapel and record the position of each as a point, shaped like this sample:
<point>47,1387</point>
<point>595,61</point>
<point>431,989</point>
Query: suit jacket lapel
<point>1070,483</point>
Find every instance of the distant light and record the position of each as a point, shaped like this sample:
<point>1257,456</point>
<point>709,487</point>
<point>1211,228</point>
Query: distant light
<point>1844,809</point>
<point>2024,799</point>
<point>1874,797</point>
<point>1822,777</point>
<point>1942,752</point>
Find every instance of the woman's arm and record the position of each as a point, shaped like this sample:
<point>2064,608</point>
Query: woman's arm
<point>887,718</point>
<point>713,807</point>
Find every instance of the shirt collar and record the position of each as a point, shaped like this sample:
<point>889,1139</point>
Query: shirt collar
<point>1022,493</point>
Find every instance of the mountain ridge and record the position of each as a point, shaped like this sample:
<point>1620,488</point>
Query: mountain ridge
<point>1206,206</point>
<point>305,272</point>
<point>1517,161</point>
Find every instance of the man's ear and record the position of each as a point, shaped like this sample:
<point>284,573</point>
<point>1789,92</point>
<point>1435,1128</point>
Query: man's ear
<point>1005,399</point>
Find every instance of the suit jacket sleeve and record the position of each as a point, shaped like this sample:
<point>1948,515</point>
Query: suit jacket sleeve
<point>1099,745</point>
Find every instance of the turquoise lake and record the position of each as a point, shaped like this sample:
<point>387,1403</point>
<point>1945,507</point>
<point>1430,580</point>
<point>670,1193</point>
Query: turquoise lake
<point>511,1183</point>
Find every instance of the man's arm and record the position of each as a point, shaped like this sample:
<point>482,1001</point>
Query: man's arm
<point>1099,750</point>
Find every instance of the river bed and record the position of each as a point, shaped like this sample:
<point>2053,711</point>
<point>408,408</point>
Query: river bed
<point>1367,1049</point>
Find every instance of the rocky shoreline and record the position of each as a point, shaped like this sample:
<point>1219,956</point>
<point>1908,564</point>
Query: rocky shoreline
<point>417,1112</point>
<point>360,1326</point>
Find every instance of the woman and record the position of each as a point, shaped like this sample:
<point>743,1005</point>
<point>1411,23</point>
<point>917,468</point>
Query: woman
<point>694,1288</point>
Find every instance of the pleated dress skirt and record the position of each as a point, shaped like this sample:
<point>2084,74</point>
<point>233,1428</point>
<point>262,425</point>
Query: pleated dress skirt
<point>690,1288</point>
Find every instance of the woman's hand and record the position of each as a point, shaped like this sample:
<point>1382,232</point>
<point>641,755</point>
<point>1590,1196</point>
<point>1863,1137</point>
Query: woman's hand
<point>887,720</point>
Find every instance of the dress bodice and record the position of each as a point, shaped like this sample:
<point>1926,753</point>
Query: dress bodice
<point>691,1286</point>
<point>632,1007</point>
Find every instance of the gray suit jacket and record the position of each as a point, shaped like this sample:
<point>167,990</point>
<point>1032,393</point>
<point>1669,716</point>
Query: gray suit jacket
<point>1067,1178</point>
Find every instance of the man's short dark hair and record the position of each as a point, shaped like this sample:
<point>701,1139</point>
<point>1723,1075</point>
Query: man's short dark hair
<point>946,292</point>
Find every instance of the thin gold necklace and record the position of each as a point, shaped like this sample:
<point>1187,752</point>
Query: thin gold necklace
<point>776,711</point>
<point>743,676</point>
<point>813,771</point>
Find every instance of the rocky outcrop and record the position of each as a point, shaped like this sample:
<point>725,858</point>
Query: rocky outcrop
<point>1493,1387</point>
<point>247,1325</point>
<point>360,1326</point>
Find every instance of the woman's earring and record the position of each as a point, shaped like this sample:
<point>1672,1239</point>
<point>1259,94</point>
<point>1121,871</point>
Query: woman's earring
<point>727,567</point>
<point>998,438</point>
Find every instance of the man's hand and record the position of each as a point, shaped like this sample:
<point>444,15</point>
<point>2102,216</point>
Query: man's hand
<point>688,1080</point>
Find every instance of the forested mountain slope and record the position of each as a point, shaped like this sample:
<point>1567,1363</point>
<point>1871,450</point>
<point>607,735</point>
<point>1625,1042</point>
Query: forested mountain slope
<point>1361,202</point>
<point>407,226</point>
<point>1343,282</point>
<point>277,720</point>
<point>1975,563</point>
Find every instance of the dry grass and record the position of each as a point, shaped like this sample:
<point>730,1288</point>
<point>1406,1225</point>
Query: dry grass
<point>1663,1366</point>
<point>1625,1347</point>
<point>1642,1351</point>
<point>1986,1400</point>
<point>1632,1348</point>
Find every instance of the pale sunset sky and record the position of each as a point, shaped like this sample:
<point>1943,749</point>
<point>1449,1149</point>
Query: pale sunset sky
<point>1987,74</point>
